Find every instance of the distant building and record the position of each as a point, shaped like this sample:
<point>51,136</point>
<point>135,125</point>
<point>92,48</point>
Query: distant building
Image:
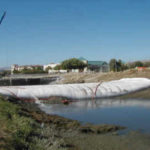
<point>141,68</point>
<point>51,65</point>
<point>16,67</point>
<point>98,66</point>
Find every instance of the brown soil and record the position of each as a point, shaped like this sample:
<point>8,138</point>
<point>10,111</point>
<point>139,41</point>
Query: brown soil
<point>97,77</point>
<point>142,94</point>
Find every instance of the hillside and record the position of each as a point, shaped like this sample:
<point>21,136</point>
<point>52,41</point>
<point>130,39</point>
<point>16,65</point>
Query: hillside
<point>97,77</point>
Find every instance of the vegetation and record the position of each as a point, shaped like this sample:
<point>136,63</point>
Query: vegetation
<point>30,71</point>
<point>136,64</point>
<point>25,127</point>
<point>73,63</point>
<point>5,73</point>
<point>16,131</point>
<point>58,67</point>
<point>117,66</point>
<point>147,64</point>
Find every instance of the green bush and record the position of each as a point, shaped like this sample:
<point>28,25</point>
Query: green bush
<point>117,65</point>
<point>73,63</point>
<point>16,129</point>
<point>29,71</point>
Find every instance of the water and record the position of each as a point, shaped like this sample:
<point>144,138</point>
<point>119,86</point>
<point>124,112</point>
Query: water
<point>134,114</point>
<point>28,80</point>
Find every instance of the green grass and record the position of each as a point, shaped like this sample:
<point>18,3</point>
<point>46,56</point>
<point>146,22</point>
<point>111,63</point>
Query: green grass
<point>16,131</point>
<point>20,131</point>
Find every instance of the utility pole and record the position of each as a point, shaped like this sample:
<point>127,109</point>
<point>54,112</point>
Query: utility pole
<point>2,18</point>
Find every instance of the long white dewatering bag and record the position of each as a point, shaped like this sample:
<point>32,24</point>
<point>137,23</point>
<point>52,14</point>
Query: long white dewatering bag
<point>77,91</point>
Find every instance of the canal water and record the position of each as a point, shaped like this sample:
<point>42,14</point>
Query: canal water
<point>134,114</point>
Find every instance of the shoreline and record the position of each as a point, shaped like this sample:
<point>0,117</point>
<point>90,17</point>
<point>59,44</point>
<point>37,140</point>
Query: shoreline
<point>53,132</point>
<point>141,94</point>
<point>59,127</point>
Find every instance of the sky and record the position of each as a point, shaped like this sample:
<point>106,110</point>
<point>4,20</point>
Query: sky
<point>45,31</point>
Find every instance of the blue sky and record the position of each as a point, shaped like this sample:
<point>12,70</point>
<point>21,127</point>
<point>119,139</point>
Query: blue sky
<point>44,31</point>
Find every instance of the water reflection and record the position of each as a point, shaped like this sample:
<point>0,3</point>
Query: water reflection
<point>94,104</point>
<point>134,114</point>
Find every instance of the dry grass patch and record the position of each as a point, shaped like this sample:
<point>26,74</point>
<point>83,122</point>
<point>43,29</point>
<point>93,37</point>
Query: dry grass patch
<point>97,77</point>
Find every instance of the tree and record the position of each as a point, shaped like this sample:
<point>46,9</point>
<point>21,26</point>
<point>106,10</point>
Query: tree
<point>121,66</point>
<point>117,65</point>
<point>58,67</point>
<point>73,63</point>
<point>48,68</point>
<point>125,67</point>
<point>26,70</point>
<point>147,64</point>
<point>16,72</point>
<point>113,65</point>
<point>136,64</point>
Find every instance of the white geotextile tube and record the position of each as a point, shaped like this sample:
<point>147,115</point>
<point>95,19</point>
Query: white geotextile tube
<point>77,91</point>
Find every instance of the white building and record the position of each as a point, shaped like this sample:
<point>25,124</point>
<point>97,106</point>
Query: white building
<point>16,67</point>
<point>51,65</point>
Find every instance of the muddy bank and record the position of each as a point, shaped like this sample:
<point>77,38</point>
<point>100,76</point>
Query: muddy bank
<point>131,141</point>
<point>142,94</point>
<point>45,131</point>
<point>59,122</point>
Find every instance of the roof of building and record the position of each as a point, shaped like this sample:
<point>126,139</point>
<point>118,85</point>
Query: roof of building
<point>97,63</point>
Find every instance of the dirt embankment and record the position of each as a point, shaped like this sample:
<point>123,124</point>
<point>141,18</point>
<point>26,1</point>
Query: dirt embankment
<point>142,94</point>
<point>97,77</point>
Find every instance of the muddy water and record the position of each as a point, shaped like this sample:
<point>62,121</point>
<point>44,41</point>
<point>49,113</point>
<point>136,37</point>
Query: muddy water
<point>134,114</point>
